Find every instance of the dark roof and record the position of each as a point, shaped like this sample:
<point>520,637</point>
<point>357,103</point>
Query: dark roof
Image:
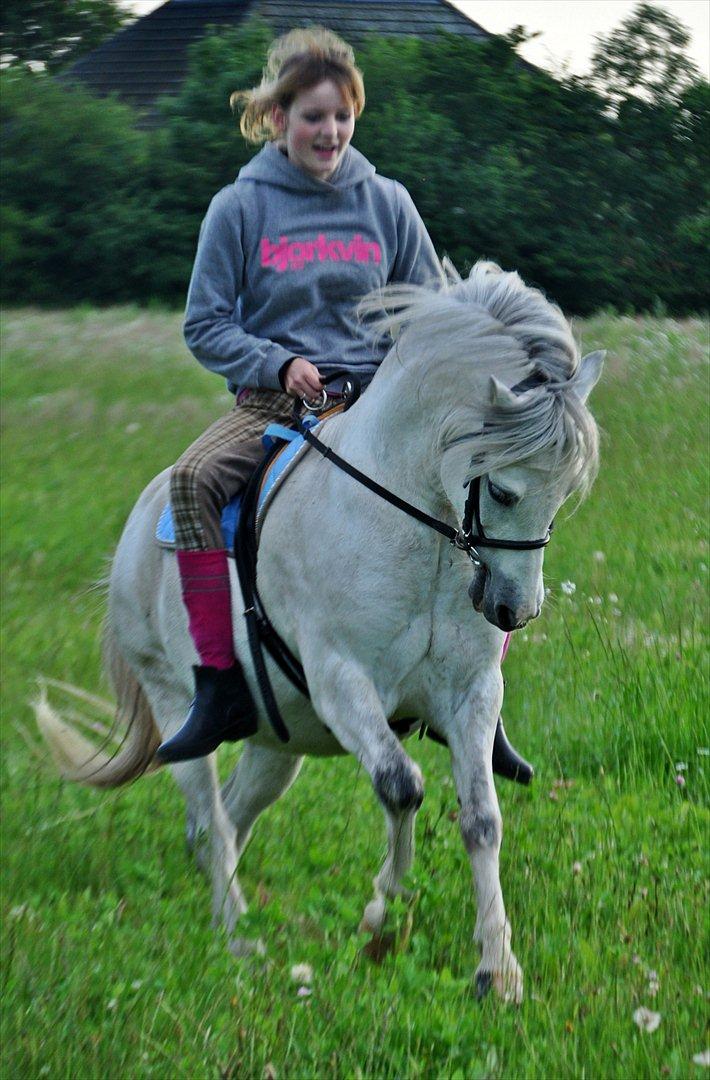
<point>149,57</point>
<point>355,18</point>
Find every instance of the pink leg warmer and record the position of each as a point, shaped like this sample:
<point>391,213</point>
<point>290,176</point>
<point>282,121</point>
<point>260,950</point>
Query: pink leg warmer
<point>506,646</point>
<point>204,576</point>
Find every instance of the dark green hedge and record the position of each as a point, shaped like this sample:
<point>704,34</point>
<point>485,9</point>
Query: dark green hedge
<point>502,161</point>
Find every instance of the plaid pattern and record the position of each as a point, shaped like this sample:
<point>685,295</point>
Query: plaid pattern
<point>217,466</point>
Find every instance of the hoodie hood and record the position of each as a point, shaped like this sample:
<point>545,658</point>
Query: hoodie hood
<point>271,166</point>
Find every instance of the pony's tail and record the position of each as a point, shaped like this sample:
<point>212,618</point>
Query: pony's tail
<point>127,744</point>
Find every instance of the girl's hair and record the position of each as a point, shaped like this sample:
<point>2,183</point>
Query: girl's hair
<point>295,62</point>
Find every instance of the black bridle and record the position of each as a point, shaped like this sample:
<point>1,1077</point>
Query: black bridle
<point>465,539</point>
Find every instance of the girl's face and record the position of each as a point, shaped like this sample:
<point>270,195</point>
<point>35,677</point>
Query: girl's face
<point>316,129</point>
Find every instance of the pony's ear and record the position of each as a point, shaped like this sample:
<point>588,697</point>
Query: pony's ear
<point>451,274</point>
<point>500,395</point>
<point>505,398</point>
<point>590,368</point>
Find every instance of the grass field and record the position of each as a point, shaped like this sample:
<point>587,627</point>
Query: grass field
<point>110,968</point>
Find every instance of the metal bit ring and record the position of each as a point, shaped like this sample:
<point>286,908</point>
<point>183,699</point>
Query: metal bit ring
<point>316,406</point>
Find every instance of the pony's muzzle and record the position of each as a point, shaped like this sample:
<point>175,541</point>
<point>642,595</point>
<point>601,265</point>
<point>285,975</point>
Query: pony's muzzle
<point>502,606</point>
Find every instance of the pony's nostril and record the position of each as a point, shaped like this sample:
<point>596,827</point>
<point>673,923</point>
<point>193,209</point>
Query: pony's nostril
<point>505,617</point>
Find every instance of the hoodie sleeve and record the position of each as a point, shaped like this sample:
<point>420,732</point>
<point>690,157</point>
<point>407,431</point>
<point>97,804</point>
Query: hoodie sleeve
<point>416,261</point>
<point>212,332</point>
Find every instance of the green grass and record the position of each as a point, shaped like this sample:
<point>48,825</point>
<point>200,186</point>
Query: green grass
<point>109,964</point>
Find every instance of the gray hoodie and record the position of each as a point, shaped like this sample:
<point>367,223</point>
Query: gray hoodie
<point>283,259</point>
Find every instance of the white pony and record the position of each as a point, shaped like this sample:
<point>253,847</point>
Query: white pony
<point>388,619</point>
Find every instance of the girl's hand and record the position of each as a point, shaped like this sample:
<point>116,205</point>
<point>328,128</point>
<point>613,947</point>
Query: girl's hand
<point>302,379</point>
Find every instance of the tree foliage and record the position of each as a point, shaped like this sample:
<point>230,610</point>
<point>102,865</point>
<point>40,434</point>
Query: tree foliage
<point>54,33</point>
<point>599,207</point>
<point>71,189</point>
<point>646,56</point>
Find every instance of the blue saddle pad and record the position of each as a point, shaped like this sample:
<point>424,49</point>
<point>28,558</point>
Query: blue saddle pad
<point>165,531</point>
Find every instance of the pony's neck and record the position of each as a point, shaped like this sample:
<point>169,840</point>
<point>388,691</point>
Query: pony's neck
<point>392,433</point>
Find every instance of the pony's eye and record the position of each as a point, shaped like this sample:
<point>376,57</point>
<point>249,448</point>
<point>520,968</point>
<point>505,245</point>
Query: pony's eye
<point>500,495</point>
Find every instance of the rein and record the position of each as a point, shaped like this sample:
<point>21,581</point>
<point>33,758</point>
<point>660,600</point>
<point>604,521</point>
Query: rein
<point>464,538</point>
<point>260,630</point>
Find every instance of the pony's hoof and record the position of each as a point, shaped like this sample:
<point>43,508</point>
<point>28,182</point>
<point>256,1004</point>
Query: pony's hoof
<point>508,984</point>
<point>241,947</point>
<point>374,916</point>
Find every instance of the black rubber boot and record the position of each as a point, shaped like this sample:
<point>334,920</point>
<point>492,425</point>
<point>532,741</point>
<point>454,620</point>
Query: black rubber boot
<point>507,761</point>
<point>222,711</point>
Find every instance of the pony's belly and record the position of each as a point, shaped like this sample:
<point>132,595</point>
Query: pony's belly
<point>311,738</point>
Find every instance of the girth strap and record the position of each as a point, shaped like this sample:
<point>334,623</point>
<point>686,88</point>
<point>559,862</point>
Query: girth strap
<point>259,628</point>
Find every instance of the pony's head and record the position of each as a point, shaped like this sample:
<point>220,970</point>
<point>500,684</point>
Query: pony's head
<point>501,364</point>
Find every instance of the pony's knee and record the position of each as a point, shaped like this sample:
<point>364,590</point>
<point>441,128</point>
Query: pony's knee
<point>399,785</point>
<point>479,829</point>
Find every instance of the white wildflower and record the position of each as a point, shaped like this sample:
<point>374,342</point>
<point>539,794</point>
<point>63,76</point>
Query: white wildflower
<point>304,991</point>
<point>302,973</point>
<point>647,1020</point>
<point>568,588</point>
<point>613,598</point>
<point>653,983</point>
<point>703,751</point>
<point>598,556</point>
<point>112,1003</point>
<point>131,429</point>
<point>681,766</point>
<point>702,1059</point>
<point>136,984</point>
<point>616,612</point>
<point>576,868</point>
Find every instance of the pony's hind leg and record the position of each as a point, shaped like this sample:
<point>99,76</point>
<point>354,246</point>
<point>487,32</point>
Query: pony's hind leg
<point>212,837</point>
<point>259,778</point>
<point>209,827</point>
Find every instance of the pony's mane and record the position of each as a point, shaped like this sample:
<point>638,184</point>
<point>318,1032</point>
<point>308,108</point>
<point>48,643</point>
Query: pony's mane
<point>511,333</point>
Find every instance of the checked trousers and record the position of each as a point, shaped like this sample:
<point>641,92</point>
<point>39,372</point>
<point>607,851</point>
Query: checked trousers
<point>218,465</point>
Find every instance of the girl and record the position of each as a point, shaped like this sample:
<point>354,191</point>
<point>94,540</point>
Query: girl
<point>284,254</point>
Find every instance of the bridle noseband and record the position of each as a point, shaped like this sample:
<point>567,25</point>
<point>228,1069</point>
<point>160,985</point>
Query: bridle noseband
<point>469,541</point>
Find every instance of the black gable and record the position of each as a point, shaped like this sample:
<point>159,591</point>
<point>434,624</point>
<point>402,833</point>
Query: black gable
<point>149,58</point>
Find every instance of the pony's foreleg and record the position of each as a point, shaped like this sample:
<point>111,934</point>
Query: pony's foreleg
<point>259,778</point>
<point>387,884</point>
<point>470,738</point>
<point>349,704</point>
